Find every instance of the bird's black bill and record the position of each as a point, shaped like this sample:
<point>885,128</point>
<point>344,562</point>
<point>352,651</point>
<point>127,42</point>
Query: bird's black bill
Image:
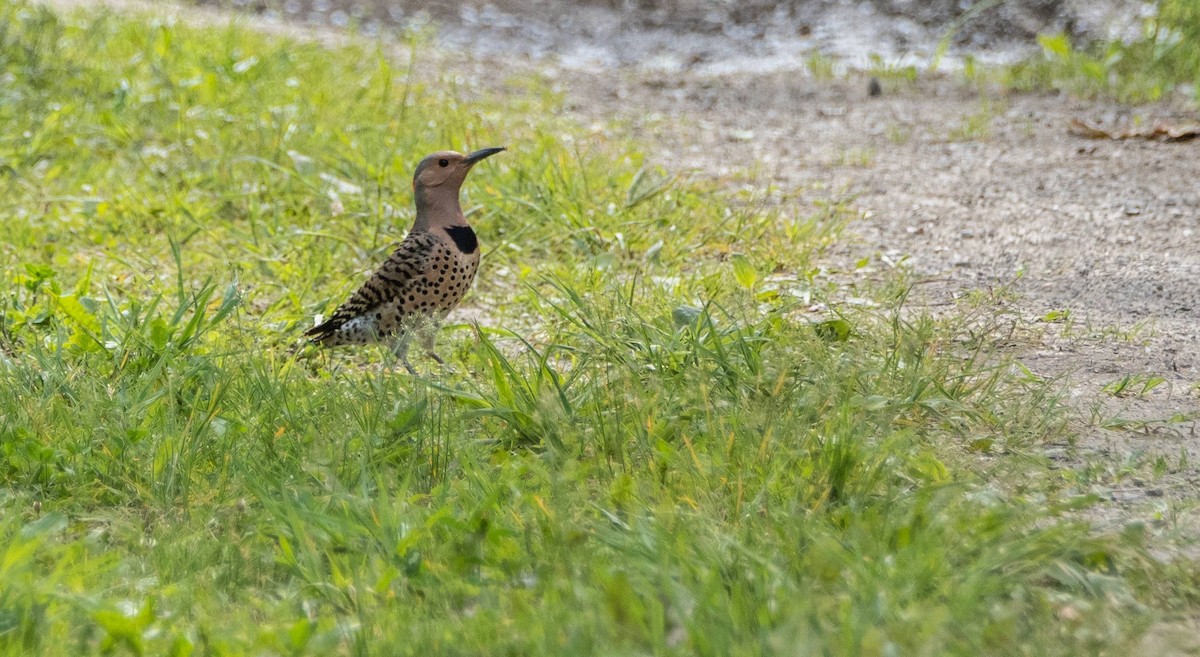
<point>482,154</point>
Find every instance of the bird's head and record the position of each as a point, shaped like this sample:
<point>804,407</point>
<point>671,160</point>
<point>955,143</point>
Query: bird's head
<point>448,169</point>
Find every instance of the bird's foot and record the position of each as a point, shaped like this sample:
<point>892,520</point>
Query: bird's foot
<point>403,360</point>
<point>438,359</point>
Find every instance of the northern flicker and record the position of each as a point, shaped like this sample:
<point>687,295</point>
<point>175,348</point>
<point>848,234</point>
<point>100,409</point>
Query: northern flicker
<point>425,277</point>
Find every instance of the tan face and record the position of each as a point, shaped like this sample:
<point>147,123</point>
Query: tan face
<point>441,167</point>
<point>445,167</point>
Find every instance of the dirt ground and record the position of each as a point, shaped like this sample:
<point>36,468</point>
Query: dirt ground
<point>716,35</point>
<point>1094,244</point>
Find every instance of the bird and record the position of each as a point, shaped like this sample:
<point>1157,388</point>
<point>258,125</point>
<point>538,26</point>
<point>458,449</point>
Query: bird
<point>427,274</point>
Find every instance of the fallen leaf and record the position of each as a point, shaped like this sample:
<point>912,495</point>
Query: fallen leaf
<point>1159,132</point>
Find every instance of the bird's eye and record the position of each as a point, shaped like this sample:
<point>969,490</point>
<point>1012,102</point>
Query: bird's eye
<point>443,163</point>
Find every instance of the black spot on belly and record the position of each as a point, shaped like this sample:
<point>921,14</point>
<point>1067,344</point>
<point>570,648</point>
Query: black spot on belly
<point>464,238</point>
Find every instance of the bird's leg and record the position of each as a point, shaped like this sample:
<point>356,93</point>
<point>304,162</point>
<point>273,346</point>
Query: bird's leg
<point>428,337</point>
<point>400,349</point>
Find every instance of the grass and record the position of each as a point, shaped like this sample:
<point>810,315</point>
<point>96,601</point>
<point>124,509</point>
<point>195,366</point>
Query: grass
<point>1164,59</point>
<point>976,126</point>
<point>647,444</point>
<point>1134,385</point>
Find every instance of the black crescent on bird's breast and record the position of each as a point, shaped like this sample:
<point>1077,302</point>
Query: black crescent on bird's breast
<point>464,238</point>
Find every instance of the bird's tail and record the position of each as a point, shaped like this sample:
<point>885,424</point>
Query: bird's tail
<point>325,330</point>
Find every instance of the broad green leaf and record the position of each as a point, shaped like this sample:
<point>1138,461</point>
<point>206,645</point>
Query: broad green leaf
<point>685,316</point>
<point>85,325</point>
<point>300,633</point>
<point>160,333</point>
<point>982,444</point>
<point>1055,44</point>
<point>70,306</point>
<point>834,330</point>
<point>122,630</point>
<point>39,272</point>
<point>744,272</point>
